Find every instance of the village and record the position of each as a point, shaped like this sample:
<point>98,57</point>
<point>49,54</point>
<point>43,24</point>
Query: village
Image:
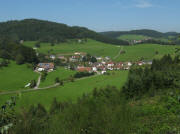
<point>83,62</point>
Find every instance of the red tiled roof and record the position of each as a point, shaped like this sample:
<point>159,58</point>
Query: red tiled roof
<point>84,69</point>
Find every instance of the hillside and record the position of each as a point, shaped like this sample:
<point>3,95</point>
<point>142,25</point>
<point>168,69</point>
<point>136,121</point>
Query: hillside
<point>46,31</point>
<point>125,35</point>
<point>132,53</point>
<point>145,32</point>
<point>15,77</point>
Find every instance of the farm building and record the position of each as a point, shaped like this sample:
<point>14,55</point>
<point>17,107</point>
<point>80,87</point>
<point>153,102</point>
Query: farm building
<point>45,67</point>
<point>84,69</point>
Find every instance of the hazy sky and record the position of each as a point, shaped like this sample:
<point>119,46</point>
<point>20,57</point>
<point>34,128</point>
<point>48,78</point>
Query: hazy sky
<point>99,15</point>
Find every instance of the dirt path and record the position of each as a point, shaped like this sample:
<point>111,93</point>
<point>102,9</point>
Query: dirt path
<point>44,88</point>
<point>38,82</point>
<point>115,57</point>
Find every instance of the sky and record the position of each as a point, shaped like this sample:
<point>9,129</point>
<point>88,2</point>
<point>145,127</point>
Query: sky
<point>98,15</point>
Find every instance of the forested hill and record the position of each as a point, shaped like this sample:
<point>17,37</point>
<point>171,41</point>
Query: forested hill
<point>145,32</point>
<point>33,29</point>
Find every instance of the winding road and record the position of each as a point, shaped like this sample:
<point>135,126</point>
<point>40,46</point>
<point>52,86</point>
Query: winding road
<point>37,87</point>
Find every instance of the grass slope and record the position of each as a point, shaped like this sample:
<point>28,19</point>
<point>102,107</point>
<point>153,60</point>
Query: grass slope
<point>147,51</point>
<point>133,53</point>
<point>60,72</point>
<point>70,91</point>
<point>15,77</point>
<point>130,37</point>
<point>91,46</point>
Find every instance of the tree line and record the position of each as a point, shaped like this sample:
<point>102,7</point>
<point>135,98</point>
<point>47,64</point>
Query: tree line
<point>45,31</point>
<point>163,74</point>
<point>12,50</point>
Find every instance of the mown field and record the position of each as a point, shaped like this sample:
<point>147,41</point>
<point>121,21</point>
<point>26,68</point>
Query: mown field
<point>130,37</point>
<point>15,77</point>
<point>132,53</point>
<point>146,52</point>
<point>93,47</point>
<point>61,73</point>
<point>70,91</point>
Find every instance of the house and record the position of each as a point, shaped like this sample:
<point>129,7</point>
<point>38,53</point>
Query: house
<point>118,67</point>
<point>99,58</point>
<point>127,65</point>
<point>77,53</point>
<point>110,65</point>
<point>94,69</point>
<point>45,67</point>
<point>61,57</point>
<point>75,58</point>
<point>103,62</point>
<point>107,58</point>
<point>52,57</point>
<point>147,62</point>
<point>103,72</point>
<point>79,40</point>
<point>140,63</point>
<point>97,64</point>
<point>84,69</point>
<point>101,68</point>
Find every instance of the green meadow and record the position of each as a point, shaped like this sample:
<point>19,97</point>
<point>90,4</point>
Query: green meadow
<point>15,77</point>
<point>61,73</point>
<point>146,52</point>
<point>131,37</point>
<point>91,46</point>
<point>70,91</point>
<point>132,53</point>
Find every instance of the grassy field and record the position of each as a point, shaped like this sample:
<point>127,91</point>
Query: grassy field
<point>133,53</point>
<point>131,37</point>
<point>70,91</point>
<point>59,72</point>
<point>145,51</point>
<point>93,47</point>
<point>15,77</point>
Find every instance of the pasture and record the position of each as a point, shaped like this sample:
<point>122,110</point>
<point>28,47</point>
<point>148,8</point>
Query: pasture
<point>70,91</point>
<point>132,53</point>
<point>92,47</point>
<point>59,72</point>
<point>131,37</point>
<point>15,77</point>
<point>146,52</point>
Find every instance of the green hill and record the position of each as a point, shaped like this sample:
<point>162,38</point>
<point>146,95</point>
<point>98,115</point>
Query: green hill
<point>132,53</point>
<point>70,90</point>
<point>136,34</point>
<point>131,37</point>
<point>15,77</point>
<point>145,32</point>
<point>33,29</point>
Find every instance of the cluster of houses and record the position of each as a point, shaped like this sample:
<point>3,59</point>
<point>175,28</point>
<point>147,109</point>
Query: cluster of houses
<point>102,67</point>
<point>140,41</point>
<point>98,67</point>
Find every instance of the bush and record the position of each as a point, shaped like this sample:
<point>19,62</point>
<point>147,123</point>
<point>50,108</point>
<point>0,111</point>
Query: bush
<point>44,75</point>
<point>83,74</point>
<point>33,84</point>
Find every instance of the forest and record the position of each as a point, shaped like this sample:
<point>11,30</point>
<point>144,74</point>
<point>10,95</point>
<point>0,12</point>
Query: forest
<point>11,50</point>
<point>45,31</point>
<point>162,75</point>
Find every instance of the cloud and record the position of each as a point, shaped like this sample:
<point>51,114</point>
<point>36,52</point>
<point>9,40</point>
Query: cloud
<point>143,4</point>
